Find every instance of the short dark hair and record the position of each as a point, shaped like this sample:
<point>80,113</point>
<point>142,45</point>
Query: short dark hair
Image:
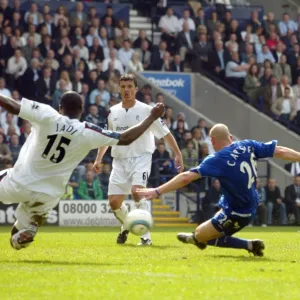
<point>47,36</point>
<point>194,129</point>
<point>129,77</point>
<point>47,68</point>
<point>71,104</point>
<point>190,141</point>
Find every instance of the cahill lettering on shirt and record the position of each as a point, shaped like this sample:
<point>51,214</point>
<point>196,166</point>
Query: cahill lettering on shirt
<point>236,152</point>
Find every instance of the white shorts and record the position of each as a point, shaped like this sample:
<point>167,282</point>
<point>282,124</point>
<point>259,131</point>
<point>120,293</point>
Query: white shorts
<point>32,205</point>
<point>127,172</point>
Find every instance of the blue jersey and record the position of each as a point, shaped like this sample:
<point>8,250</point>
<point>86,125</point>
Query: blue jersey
<point>236,168</point>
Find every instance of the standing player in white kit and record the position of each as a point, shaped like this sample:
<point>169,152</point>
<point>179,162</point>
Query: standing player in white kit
<point>132,164</point>
<point>57,144</point>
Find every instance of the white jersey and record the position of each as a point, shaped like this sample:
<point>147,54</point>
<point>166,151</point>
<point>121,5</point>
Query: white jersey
<point>121,119</point>
<point>54,148</point>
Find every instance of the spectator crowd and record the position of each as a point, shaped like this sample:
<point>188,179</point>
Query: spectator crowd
<point>258,57</point>
<point>45,53</point>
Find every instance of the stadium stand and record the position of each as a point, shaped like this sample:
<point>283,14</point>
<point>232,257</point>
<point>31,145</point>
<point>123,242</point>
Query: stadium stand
<point>48,47</point>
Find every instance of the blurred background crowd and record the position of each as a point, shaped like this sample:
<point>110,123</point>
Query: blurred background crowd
<point>45,52</point>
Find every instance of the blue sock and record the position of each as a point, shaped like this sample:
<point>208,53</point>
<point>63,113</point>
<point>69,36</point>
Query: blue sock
<point>229,242</point>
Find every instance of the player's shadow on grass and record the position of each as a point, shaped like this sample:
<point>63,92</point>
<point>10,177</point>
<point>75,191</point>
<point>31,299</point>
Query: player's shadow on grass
<point>245,258</point>
<point>161,247</point>
<point>65,263</point>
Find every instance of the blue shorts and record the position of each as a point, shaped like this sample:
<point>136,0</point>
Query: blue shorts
<point>230,223</point>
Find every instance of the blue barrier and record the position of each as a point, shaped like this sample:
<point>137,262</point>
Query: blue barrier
<point>238,12</point>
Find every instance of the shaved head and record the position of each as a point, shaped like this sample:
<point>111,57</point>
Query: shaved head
<point>220,136</point>
<point>220,131</point>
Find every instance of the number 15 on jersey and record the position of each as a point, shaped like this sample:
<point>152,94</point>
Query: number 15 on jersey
<point>60,149</point>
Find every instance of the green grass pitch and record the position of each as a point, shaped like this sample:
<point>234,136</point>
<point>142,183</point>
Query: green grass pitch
<point>86,263</point>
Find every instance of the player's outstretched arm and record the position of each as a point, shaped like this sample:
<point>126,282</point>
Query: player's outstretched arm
<point>169,138</point>
<point>133,133</point>
<point>10,105</point>
<point>286,153</point>
<point>177,182</point>
<point>97,163</point>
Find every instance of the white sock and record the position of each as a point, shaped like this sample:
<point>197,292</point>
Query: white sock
<point>121,213</point>
<point>144,204</point>
<point>250,245</point>
<point>17,225</point>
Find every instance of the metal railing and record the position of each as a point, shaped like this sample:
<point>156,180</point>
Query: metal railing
<point>259,106</point>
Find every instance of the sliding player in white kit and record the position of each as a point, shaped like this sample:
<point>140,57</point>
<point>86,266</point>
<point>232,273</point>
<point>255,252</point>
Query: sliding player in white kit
<point>132,164</point>
<point>57,144</point>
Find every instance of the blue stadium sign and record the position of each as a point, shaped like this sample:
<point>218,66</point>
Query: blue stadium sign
<point>178,85</point>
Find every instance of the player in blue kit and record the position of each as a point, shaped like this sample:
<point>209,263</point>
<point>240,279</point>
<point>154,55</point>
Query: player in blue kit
<point>235,165</point>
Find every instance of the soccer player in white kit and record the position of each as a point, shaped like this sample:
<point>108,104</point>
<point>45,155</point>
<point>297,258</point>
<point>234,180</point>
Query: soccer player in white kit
<point>57,144</point>
<point>132,164</point>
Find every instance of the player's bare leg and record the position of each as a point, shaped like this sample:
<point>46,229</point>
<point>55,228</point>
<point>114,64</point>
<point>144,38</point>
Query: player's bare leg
<point>207,234</point>
<point>142,203</point>
<point>204,232</point>
<point>120,211</point>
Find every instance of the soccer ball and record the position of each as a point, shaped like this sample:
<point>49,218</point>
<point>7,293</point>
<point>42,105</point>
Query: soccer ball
<point>14,241</point>
<point>138,222</point>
